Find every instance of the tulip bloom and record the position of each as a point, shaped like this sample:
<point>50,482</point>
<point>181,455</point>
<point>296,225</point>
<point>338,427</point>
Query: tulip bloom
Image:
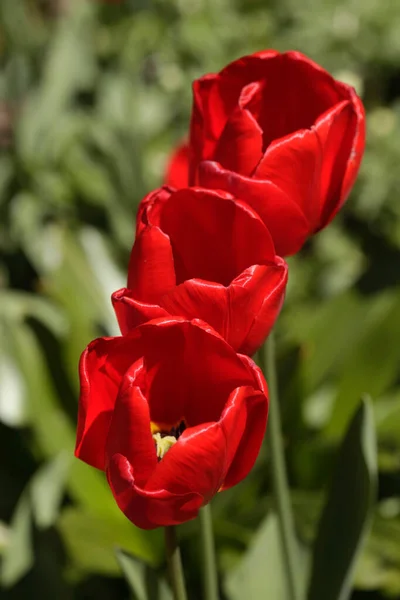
<point>203,254</point>
<point>177,172</point>
<point>279,132</point>
<point>172,414</point>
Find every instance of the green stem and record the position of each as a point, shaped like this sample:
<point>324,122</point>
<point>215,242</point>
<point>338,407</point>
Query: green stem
<point>208,549</point>
<point>175,564</point>
<point>278,467</point>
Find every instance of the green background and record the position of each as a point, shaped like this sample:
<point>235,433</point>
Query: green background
<point>93,96</point>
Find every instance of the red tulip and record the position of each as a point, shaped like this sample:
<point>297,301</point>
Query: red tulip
<point>172,414</point>
<point>177,172</point>
<point>279,132</point>
<point>203,254</point>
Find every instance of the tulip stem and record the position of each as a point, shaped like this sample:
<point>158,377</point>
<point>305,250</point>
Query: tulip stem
<point>280,484</point>
<point>210,580</point>
<point>177,578</point>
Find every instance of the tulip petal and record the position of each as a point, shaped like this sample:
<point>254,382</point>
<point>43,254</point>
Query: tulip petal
<point>130,432</point>
<point>294,164</point>
<point>258,296</point>
<point>243,313</point>
<point>190,370</point>
<point>144,508</point>
<point>203,225</point>
<point>245,433</point>
<point>101,369</point>
<point>237,75</point>
<point>206,123</point>
<point>358,147</point>
<point>207,301</point>
<point>336,131</point>
<point>240,146</point>
<point>256,373</point>
<point>206,112</point>
<point>177,172</point>
<point>215,96</point>
<point>151,266</point>
<point>131,312</point>
<point>284,218</point>
<point>295,94</point>
<point>148,212</point>
<point>196,463</point>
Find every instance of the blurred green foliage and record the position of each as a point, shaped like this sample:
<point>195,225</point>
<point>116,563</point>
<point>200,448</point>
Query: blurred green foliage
<point>93,96</point>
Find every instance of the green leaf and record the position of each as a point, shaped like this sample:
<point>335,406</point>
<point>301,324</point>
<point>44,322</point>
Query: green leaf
<point>372,367</point>
<point>75,271</point>
<point>261,572</point>
<point>17,305</point>
<point>69,66</point>
<point>108,276</point>
<point>90,541</point>
<point>18,556</point>
<point>13,402</point>
<point>53,430</point>
<point>6,174</point>
<point>379,566</point>
<point>80,269</point>
<point>47,489</point>
<point>346,516</point>
<point>387,416</point>
<point>134,574</point>
<point>5,537</point>
<point>339,326</point>
<point>16,19</point>
<point>142,580</point>
<point>88,177</point>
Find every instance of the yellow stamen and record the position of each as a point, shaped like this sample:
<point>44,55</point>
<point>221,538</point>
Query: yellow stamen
<point>163,444</point>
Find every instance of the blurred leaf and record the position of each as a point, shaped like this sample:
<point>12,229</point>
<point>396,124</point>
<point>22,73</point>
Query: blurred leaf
<point>134,574</point>
<point>370,368</point>
<point>123,226</point>
<point>379,565</point>
<point>17,21</point>
<point>13,401</point>
<point>261,572</point>
<point>90,541</point>
<point>109,277</point>
<point>18,306</point>
<point>5,537</point>
<point>346,515</point>
<point>334,326</point>
<point>342,260</point>
<point>68,67</point>
<point>47,489</point>
<point>346,336</point>
<point>387,416</point>
<point>18,556</point>
<point>143,581</point>
<point>53,188</point>
<point>65,265</point>
<point>88,177</point>
<point>6,173</point>
<point>73,271</point>
<point>126,166</point>
<point>53,430</point>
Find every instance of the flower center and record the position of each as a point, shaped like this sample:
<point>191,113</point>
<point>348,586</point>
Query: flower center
<point>163,444</point>
<point>164,439</point>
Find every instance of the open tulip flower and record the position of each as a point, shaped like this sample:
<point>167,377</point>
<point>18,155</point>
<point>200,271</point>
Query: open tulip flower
<point>203,254</point>
<point>279,132</point>
<point>172,414</point>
